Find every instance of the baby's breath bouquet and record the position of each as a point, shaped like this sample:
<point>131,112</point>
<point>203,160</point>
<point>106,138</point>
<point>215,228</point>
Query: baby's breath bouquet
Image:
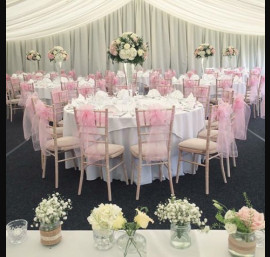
<point>181,214</point>
<point>52,210</point>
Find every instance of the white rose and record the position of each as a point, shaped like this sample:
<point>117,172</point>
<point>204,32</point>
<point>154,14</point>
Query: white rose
<point>118,41</point>
<point>229,215</point>
<point>38,58</point>
<point>208,51</point>
<point>122,54</point>
<point>140,52</point>
<point>202,53</point>
<point>127,46</point>
<point>231,228</point>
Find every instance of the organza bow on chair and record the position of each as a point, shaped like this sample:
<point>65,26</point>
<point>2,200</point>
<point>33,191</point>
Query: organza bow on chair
<point>156,148</point>
<point>253,83</point>
<point>225,139</point>
<point>242,113</point>
<point>101,84</point>
<point>27,89</point>
<point>262,95</point>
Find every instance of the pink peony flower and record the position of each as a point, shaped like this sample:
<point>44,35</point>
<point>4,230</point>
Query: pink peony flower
<point>250,215</point>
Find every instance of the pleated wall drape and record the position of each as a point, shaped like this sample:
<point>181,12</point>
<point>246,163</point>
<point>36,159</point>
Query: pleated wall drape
<point>172,43</point>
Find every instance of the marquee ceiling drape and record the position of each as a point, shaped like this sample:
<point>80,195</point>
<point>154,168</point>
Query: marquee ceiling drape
<point>29,19</point>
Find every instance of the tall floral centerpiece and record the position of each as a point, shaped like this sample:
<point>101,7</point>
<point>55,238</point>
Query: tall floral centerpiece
<point>130,50</point>
<point>104,219</point>
<point>181,214</point>
<point>33,56</point>
<point>230,51</point>
<point>57,54</point>
<point>240,226</point>
<point>203,51</point>
<point>50,214</point>
<point>132,242</point>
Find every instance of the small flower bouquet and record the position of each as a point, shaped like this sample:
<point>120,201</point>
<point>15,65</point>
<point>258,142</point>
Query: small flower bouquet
<point>246,220</point>
<point>57,54</point>
<point>33,56</point>
<point>52,210</point>
<point>181,214</point>
<point>240,226</point>
<point>204,51</point>
<point>230,51</point>
<point>128,48</point>
<point>132,242</point>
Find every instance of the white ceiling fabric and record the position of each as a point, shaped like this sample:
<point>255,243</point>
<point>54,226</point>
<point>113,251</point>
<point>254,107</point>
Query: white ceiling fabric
<point>28,19</point>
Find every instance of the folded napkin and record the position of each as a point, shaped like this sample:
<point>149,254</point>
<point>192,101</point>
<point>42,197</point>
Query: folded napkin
<point>46,80</point>
<point>182,77</point>
<point>30,81</point>
<point>39,74</point>
<point>190,98</point>
<point>14,75</point>
<point>153,93</point>
<point>122,94</point>
<point>82,82</point>
<point>80,78</point>
<point>91,82</point>
<point>101,95</point>
<point>176,94</point>
<point>195,76</point>
<point>78,101</point>
<point>47,75</point>
<point>64,79</point>
<point>175,80</point>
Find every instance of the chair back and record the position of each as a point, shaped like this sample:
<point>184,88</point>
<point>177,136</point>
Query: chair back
<point>93,132</point>
<point>221,84</point>
<point>188,85</point>
<point>26,90</point>
<point>86,90</point>
<point>71,87</point>
<point>154,130</point>
<point>154,79</point>
<point>227,95</point>
<point>252,87</point>
<point>164,89</point>
<point>15,87</point>
<point>202,94</point>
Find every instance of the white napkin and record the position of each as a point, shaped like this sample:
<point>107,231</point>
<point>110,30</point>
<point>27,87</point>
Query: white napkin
<point>181,78</point>
<point>39,74</point>
<point>30,81</point>
<point>120,73</point>
<point>139,73</point>
<point>91,82</point>
<point>175,80</point>
<point>56,80</point>
<point>82,82</point>
<point>190,101</point>
<point>47,75</point>
<point>195,76</point>
<point>153,93</point>
<point>237,79</point>
<point>46,80</point>
<point>80,78</point>
<point>14,75</point>
<point>176,94</point>
<point>101,95</point>
<point>123,93</point>
<point>78,101</point>
<point>64,79</point>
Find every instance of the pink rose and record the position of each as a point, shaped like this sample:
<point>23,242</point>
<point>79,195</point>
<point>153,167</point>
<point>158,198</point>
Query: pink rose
<point>250,215</point>
<point>213,51</point>
<point>29,57</point>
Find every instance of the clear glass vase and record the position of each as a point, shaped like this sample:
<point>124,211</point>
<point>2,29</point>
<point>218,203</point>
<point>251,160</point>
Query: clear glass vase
<point>202,63</point>
<point>103,239</point>
<point>134,244</point>
<point>242,244</point>
<point>129,70</point>
<point>180,237</point>
<point>50,234</point>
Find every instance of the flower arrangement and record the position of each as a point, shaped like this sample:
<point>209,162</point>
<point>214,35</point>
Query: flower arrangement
<point>52,210</point>
<point>180,212</point>
<point>230,51</point>
<point>246,220</point>
<point>57,54</point>
<point>33,56</point>
<point>128,48</point>
<point>106,216</point>
<point>204,50</point>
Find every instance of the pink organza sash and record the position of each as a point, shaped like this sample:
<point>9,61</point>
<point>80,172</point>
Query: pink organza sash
<point>91,76</point>
<point>225,140</point>
<point>88,133</point>
<point>53,76</point>
<point>225,83</point>
<point>156,146</point>
<point>242,115</point>
<point>98,75</point>
<point>28,116</point>
<point>26,91</point>
<point>40,126</point>
<point>101,84</point>
<point>169,74</point>
<point>7,77</point>
<point>228,72</point>
<point>72,73</point>
<point>262,97</point>
<point>253,83</point>
<point>164,89</point>
<point>86,90</point>
<point>256,71</point>
<point>190,83</point>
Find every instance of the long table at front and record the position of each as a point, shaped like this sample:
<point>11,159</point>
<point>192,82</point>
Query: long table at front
<point>81,244</point>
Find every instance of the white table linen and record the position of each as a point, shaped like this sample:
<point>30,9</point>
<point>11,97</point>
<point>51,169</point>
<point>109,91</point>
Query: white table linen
<point>81,243</point>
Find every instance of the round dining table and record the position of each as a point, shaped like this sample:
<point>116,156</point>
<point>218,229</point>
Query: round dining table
<point>188,121</point>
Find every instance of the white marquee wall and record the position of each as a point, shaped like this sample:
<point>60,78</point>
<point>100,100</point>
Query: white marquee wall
<point>172,39</point>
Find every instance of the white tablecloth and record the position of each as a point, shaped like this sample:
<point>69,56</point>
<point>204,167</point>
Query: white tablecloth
<point>122,130</point>
<point>81,244</point>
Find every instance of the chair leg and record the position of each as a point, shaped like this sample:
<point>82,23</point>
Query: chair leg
<point>124,169</point>
<point>207,176</point>
<point>222,168</point>
<point>254,111</point>
<point>234,161</point>
<point>81,177</point>
<point>228,167</point>
<point>139,179</point>
<point>193,165</point>
<point>100,172</point>
<point>11,112</point>
<point>132,170</point>
<point>44,159</point>
<point>160,172</point>
<point>170,177</point>
<point>108,181</point>
<point>178,165</point>
<point>74,160</point>
<point>56,169</point>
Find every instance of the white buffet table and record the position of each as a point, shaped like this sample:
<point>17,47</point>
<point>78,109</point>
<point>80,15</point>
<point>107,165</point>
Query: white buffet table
<point>80,244</point>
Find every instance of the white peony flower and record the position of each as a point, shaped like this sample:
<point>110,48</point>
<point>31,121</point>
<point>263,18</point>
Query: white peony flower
<point>133,52</point>
<point>231,228</point>
<point>202,53</point>
<point>140,52</point>
<point>127,46</point>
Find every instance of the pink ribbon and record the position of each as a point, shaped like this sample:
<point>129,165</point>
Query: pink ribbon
<point>242,115</point>
<point>98,75</point>
<point>225,83</point>
<point>86,90</point>
<point>101,84</point>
